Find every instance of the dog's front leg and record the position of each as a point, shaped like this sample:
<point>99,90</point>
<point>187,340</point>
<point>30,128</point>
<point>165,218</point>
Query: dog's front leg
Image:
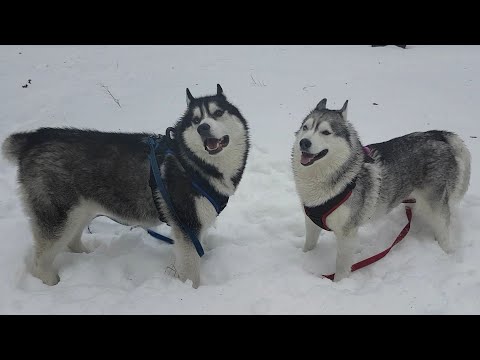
<point>187,261</point>
<point>346,245</point>
<point>312,232</point>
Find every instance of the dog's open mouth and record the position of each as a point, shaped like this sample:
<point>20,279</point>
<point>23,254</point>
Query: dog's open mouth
<point>214,145</point>
<point>309,159</point>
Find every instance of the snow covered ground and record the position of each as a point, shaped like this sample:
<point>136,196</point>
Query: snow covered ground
<point>254,262</point>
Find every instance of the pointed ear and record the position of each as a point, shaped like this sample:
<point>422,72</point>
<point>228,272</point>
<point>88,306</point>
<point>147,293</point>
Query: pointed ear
<point>322,104</point>
<point>189,97</point>
<point>220,91</point>
<point>343,110</point>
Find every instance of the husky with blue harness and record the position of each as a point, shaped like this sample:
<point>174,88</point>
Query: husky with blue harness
<point>183,178</point>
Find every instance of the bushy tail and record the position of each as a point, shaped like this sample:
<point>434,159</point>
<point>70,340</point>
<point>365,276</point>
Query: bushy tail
<point>463,158</point>
<point>14,146</point>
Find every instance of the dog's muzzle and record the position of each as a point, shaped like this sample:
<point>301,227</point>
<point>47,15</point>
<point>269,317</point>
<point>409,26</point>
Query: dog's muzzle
<point>214,145</point>
<point>307,159</point>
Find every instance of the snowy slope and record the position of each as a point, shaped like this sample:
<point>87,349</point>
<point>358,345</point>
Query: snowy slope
<point>254,262</point>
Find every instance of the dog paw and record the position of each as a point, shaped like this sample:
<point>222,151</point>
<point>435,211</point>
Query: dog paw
<point>183,275</point>
<point>341,275</point>
<point>447,246</point>
<point>196,283</point>
<point>194,278</point>
<point>52,280</point>
<point>307,248</point>
<point>78,248</point>
<point>48,277</point>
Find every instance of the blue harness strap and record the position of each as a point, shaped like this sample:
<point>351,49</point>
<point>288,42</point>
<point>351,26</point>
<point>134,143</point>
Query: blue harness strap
<point>209,198</point>
<point>166,197</point>
<point>151,232</point>
<point>159,236</point>
<point>218,201</point>
<point>219,204</point>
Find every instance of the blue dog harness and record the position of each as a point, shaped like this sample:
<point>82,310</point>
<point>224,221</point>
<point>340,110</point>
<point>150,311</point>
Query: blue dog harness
<point>161,145</point>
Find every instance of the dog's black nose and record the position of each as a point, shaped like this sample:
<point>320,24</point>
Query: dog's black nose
<point>204,129</point>
<point>305,144</point>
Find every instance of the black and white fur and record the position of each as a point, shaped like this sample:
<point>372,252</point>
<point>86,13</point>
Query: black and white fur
<point>68,176</point>
<point>432,167</point>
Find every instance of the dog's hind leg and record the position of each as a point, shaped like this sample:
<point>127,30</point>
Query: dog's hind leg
<point>76,245</point>
<point>53,231</point>
<point>438,215</point>
<point>48,243</point>
<point>312,232</point>
<point>441,227</point>
<point>45,252</point>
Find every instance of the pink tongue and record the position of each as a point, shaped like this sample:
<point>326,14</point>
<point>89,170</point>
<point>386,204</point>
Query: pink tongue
<point>212,143</point>
<point>305,159</point>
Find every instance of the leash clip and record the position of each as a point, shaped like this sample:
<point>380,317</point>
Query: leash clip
<point>170,133</point>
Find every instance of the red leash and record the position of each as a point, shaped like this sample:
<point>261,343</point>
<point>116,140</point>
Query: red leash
<point>378,256</point>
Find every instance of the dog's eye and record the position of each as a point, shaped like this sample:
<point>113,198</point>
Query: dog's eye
<point>218,113</point>
<point>196,120</point>
<point>305,127</point>
<point>326,132</point>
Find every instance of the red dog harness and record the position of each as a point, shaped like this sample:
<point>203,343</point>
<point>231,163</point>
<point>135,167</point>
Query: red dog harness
<point>318,214</point>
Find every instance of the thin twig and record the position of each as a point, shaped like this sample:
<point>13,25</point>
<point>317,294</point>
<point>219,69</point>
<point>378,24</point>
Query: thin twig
<point>109,93</point>
<point>257,83</point>
<point>307,86</point>
<point>171,270</point>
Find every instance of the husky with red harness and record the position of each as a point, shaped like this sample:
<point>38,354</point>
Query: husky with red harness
<point>343,184</point>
